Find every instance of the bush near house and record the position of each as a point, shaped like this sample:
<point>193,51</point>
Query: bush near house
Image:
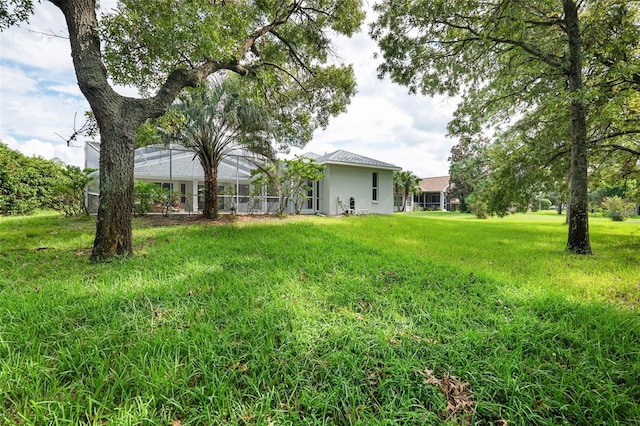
<point>145,194</point>
<point>69,190</point>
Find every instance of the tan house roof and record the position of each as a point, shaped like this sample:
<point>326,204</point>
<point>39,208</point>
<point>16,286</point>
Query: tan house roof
<point>434,184</point>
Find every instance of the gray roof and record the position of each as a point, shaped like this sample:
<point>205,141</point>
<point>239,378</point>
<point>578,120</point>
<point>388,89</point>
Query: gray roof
<point>159,161</point>
<point>345,157</point>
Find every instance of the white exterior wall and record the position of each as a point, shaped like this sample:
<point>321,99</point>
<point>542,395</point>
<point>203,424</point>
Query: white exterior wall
<point>344,182</point>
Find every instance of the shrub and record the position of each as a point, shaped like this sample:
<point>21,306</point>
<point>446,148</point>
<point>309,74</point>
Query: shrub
<point>145,194</point>
<point>617,208</point>
<point>545,203</point>
<point>480,209</point>
<point>26,183</point>
<point>69,189</point>
<point>167,199</point>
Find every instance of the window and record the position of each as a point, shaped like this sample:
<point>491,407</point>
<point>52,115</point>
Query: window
<point>243,192</point>
<point>200,197</point>
<point>222,198</point>
<point>318,195</point>
<point>374,187</point>
<point>183,193</point>
<point>309,194</point>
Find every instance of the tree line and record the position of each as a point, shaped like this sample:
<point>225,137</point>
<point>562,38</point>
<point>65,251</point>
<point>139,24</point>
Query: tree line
<point>28,184</point>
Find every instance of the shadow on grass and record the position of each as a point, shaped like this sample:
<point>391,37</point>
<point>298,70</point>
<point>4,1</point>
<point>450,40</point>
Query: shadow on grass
<point>294,323</point>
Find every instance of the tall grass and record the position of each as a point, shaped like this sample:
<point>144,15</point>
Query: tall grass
<point>320,321</point>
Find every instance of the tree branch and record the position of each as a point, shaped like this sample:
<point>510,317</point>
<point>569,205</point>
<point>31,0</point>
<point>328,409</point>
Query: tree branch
<point>615,135</point>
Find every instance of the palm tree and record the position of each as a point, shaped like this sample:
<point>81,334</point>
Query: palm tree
<point>406,182</point>
<point>216,121</point>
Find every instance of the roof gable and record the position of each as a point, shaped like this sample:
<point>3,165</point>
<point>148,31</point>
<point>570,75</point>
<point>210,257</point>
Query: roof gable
<point>349,158</point>
<point>434,184</point>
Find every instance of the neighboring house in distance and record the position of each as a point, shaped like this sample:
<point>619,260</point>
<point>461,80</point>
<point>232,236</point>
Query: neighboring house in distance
<point>434,194</point>
<point>352,183</point>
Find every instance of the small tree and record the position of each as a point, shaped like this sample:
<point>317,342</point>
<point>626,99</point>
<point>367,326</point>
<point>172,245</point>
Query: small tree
<point>469,168</point>
<point>145,195</point>
<point>405,182</point>
<point>617,208</point>
<point>478,206</point>
<point>290,179</point>
<point>216,121</point>
<point>68,191</point>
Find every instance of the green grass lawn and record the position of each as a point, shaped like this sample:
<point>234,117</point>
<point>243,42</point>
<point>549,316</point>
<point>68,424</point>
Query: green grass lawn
<point>421,318</point>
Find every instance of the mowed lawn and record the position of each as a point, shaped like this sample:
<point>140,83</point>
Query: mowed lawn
<point>423,318</point>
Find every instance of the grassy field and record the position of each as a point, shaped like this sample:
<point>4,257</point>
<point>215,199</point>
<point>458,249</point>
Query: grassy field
<point>422,318</point>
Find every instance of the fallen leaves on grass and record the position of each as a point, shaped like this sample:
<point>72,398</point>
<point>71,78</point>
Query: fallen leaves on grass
<point>458,393</point>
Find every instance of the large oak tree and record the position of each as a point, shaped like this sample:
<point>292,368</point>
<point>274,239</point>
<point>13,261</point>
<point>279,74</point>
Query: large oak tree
<point>508,59</point>
<point>162,46</point>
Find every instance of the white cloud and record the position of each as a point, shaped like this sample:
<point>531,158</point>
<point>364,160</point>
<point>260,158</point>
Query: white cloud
<point>20,82</point>
<point>40,44</point>
<point>35,148</point>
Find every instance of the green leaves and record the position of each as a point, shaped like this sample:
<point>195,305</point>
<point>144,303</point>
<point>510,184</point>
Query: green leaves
<point>69,190</point>
<point>26,183</point>
<point>552,74</point>
<point>284,47</point>
<point>14,11</point>
<point>291,179</point>
<point>145,41</point>
<point>469,169</point>
<point>406,183</point>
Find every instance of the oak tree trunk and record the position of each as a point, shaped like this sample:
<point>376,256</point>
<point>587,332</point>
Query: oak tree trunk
<point>118,118</point>
<point>115,210</point>
<point>578,239</point>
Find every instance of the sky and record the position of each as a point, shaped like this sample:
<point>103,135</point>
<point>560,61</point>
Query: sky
<point>40,100</point>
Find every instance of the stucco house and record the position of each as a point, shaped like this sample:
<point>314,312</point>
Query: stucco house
<point>434,194</point>
<point>352,183</point>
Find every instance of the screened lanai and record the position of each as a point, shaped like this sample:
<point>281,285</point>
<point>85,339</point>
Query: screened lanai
<point>175,168</point>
